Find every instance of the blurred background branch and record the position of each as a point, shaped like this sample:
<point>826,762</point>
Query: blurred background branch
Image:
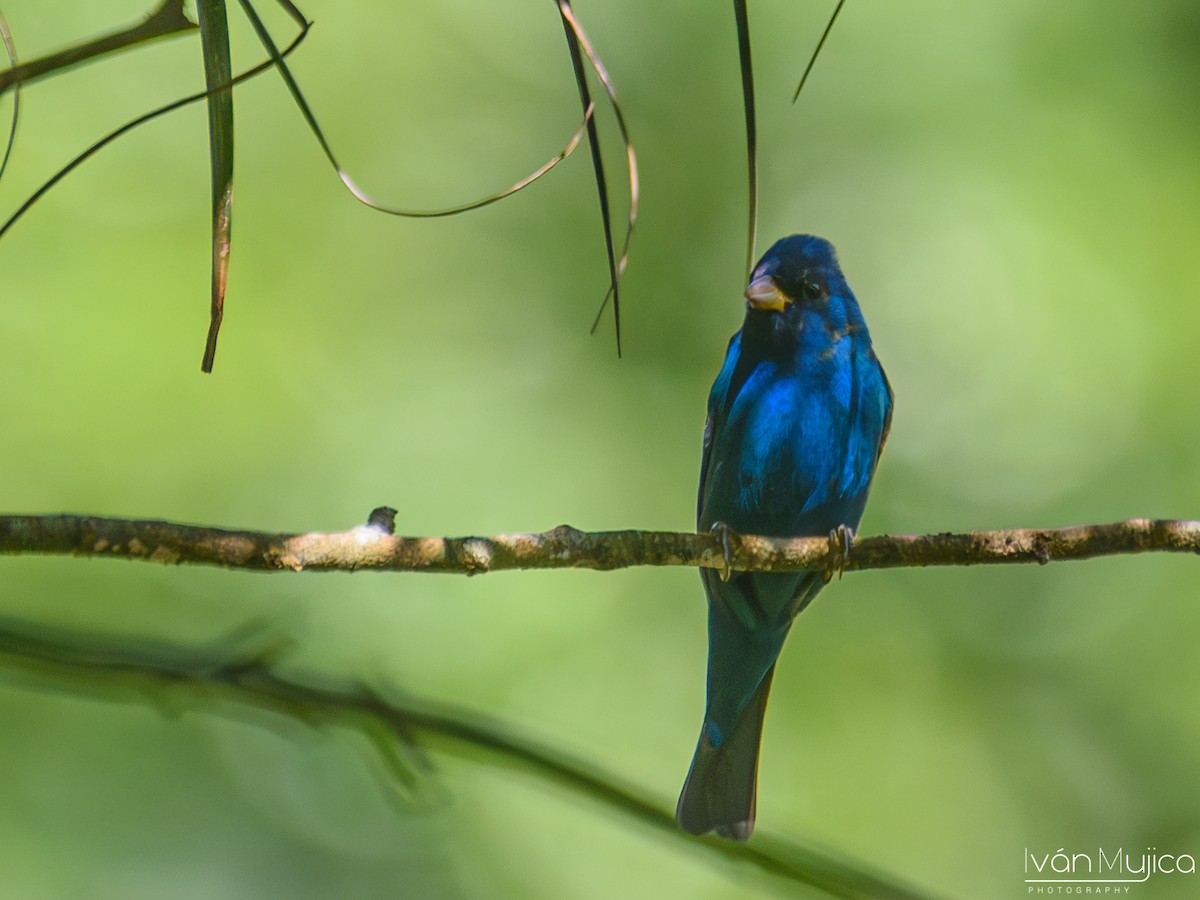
<point>372,546</point>
<point>246,670</point>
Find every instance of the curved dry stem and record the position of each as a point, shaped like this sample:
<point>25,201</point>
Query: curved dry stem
<point>361,195</point>
<point>577,40</point>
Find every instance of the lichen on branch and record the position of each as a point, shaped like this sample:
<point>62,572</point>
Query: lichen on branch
<point>374,547</point>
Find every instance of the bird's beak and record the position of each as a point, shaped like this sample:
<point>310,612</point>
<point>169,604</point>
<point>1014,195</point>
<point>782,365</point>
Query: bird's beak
<point>764,293</point>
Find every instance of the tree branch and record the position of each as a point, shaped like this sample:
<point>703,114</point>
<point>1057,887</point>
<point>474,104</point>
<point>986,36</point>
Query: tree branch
<point>373,546</point>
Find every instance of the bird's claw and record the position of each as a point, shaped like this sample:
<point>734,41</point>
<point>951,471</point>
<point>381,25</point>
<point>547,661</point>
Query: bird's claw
<point>840,540</point>
<point>722,531</point>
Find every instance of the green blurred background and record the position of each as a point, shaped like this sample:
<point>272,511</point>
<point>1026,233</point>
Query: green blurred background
<point>1015,193</point>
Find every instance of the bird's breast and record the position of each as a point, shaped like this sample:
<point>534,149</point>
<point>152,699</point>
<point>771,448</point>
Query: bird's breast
<point>779,452</point>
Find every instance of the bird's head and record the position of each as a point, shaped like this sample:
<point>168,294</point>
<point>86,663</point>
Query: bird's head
<point>801,270</point>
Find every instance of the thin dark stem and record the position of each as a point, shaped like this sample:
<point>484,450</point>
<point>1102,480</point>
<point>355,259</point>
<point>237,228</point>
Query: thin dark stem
<point>817,52</point>
<point>593,135</point>
<point>747,67</point>
<point>129,126</point>
<point>165,20</point>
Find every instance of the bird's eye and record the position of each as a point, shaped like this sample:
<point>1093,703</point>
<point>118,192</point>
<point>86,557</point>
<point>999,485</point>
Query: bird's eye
<point>812,288</point>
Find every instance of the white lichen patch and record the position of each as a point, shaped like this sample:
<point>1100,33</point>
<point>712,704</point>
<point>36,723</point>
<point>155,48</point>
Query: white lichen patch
<point>368,534</point>
<point>477,554</point>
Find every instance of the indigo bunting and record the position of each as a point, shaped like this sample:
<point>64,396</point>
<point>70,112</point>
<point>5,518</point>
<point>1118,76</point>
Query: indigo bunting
<point>797,419</point>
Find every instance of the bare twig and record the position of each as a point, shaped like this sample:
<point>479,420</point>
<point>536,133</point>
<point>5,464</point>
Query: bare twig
<point>373,547</point>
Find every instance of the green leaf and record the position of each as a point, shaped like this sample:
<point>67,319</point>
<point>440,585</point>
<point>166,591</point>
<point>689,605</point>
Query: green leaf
<point>747,67</point>
<point>580,47</point>
<point>218,72</point>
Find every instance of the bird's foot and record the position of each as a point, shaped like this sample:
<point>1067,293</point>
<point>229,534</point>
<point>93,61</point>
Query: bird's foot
<point>839,551</point>
<point>721,531</point>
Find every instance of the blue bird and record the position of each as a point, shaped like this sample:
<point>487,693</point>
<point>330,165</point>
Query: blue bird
<point>797,419</point>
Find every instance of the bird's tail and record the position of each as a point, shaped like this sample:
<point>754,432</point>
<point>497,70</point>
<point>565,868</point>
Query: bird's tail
<point>721,785</point>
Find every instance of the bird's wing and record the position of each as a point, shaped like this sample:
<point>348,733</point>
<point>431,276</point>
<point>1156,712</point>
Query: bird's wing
<point>891,399</point>
<point>709,427</point>
<point>716,413</point>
